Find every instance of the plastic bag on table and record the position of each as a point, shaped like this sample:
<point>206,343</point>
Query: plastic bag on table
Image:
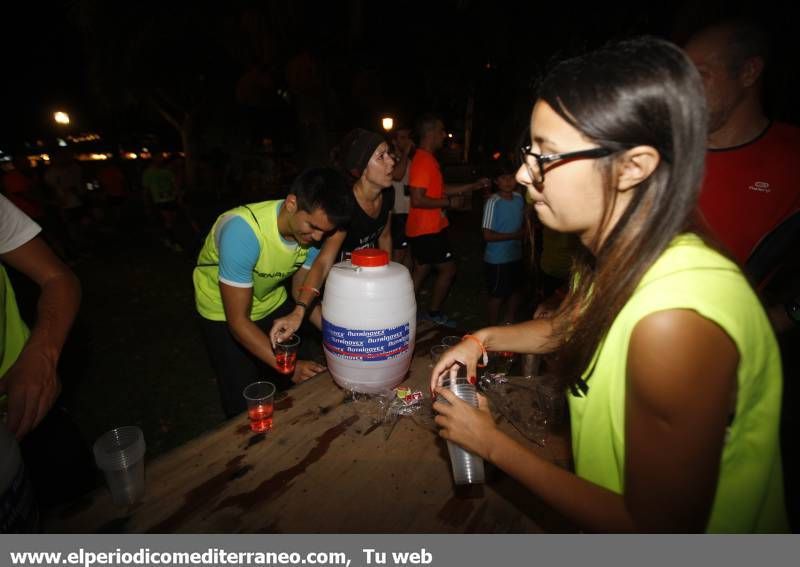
<point>518,400</point>
<point>372,407</point>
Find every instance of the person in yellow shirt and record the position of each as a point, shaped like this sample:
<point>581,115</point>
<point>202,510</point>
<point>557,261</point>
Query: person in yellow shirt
<point>240,273</point>
<point>668,360</point>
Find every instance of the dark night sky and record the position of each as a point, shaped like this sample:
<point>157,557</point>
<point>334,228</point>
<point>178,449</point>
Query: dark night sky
<point>45,65</point>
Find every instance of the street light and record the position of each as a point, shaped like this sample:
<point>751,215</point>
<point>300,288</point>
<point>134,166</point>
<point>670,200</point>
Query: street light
<point>387,122</point>
<point>61,117</point>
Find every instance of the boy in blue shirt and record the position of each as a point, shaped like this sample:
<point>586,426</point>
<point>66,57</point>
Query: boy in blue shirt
<point>503,231</point>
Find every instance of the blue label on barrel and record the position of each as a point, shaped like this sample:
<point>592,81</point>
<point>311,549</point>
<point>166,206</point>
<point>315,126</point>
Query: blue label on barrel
<point>369,345</point>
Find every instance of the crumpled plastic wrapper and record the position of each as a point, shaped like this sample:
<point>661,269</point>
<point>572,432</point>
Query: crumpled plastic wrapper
<point>517,399</point>
<point>386,408</point>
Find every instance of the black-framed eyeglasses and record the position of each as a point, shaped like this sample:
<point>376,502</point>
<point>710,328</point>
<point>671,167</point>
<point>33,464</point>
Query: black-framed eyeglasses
<point>536,165</point>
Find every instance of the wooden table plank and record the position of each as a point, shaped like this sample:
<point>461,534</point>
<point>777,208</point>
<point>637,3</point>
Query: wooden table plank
<point>324,468</point>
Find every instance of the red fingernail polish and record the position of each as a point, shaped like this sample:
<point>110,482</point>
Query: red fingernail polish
<point>473,380</point>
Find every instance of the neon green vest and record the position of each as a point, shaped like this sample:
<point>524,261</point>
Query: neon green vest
<point>276,262</point>
<point>13,331</point>
<point>689,275</point>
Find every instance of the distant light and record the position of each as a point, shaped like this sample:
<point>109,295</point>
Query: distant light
<point>145,150</point>
<point>61,117</point>
<point>98,156</point>
<point>450,135</point>
<point>496,155</point>
<point>131,155</point>
<point>45,157</point>
<point>488,65</point>
<point>62,143</point>
<point>387,122</point>
<point>85,137</point>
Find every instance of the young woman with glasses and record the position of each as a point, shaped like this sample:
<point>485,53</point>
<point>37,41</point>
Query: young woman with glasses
<point>668,361</point>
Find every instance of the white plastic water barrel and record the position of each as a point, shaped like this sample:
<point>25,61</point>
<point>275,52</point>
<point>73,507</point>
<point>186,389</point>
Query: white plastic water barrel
<point>369,322</point>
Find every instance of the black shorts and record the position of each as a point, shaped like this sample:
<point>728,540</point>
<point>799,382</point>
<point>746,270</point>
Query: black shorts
<point>399,238</point>
<point>431,248</point>
<point>503,279</point>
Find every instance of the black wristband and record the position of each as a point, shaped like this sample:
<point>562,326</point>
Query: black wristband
<point>302,304</point>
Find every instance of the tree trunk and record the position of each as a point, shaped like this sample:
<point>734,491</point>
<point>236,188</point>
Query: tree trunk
<point>468,124</point>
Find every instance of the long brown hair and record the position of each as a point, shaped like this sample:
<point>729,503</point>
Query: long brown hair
<point>637,92</point>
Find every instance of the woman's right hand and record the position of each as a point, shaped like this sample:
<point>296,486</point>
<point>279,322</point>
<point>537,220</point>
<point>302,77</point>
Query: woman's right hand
<point>471,428</point>
<point>283,327</point>
<point>467,352</point>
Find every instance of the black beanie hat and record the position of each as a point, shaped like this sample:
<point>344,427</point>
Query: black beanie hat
<point>359,145</point>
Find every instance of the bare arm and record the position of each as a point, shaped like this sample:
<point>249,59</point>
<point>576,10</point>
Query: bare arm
<point>533,337</point>
<point>676,412</point>
<point>490,235</point>
<point>422,201</point>
<point>462,188</point>
<point>285,326</point>
<point>402,164</point>
<point>31,383</point>
<point>677,409</point>
<point>385,239</point>
<point>237,303</point>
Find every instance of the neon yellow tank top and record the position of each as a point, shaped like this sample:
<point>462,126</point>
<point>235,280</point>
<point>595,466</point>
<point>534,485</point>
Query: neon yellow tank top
<point>13,331</point>
<point>276,262</point>
<point>690,275</point>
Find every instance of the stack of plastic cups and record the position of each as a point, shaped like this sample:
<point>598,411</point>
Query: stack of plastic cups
<point>467,467</point>
<point>119,453</point>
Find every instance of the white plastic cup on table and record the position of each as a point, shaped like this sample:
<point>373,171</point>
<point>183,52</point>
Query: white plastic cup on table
<point>119,453</point>
<point>467,467</point>
<point>260,397</point>
<point>286,354</point>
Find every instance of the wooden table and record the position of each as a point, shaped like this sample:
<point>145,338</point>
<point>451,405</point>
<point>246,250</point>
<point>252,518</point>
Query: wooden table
<point>324,468</point>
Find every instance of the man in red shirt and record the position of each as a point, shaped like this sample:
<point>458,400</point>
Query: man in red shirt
<point>427,222</point>
<point>752,180</point>
<point>752,184</point>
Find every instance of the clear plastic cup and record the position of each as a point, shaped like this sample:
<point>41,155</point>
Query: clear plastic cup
<point>260,398</point>
<point>467,467</point>
<point>436,353</point>
<point>286,354</point>
<point>119,453</point>
<point>451,340</point>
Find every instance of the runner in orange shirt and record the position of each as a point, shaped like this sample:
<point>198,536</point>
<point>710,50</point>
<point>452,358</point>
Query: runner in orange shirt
<point>427,222</point>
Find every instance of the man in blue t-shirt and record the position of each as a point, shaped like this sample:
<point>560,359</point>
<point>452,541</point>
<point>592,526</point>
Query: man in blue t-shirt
<point>503,230</point>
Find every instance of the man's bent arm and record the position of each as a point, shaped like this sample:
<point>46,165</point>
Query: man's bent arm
<point>32,383</point>
<point>237,302</point>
